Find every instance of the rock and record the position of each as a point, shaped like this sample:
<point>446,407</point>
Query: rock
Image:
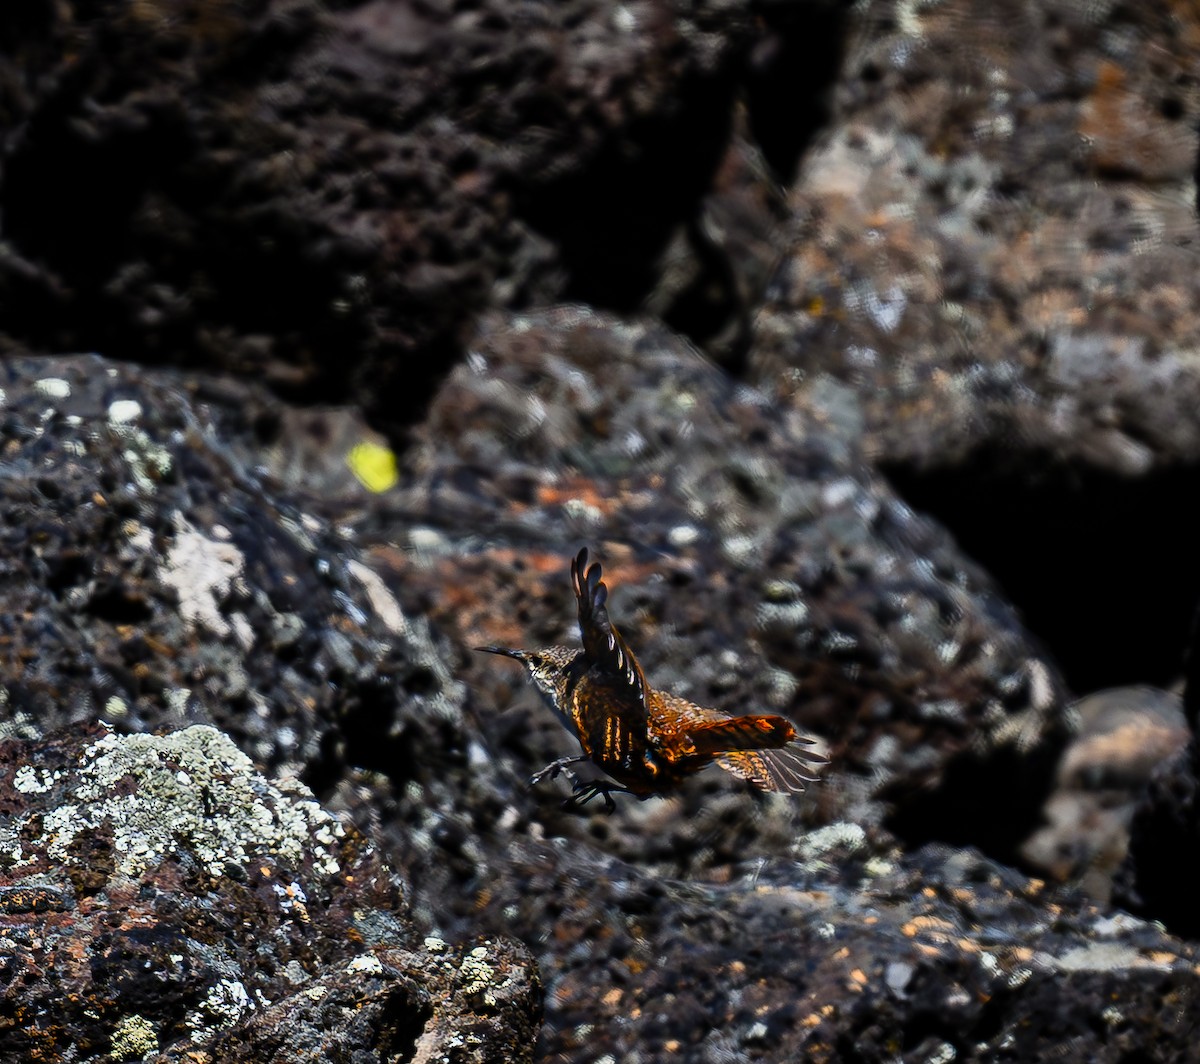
<point>840,954</point>
<point>323,200</point>
<point>1124,736</point>
<point>1155,877</point>
<point>977,229</point>
<point>150,578</point>
<point>992,262</point>
<point>160,895</point>
<point>324,195</point>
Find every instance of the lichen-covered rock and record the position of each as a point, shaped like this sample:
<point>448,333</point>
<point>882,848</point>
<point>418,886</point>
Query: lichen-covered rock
<point>159,894</point>
<point>149,577</point>
<point>992,267</point>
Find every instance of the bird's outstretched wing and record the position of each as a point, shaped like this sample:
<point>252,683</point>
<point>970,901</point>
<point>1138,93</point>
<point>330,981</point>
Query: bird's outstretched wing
<point>602,643</point>
<point>787,769</point>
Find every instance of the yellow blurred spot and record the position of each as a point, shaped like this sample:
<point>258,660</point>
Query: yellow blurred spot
<point>374,465</point>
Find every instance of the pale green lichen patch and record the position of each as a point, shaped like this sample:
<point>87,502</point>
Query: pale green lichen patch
<point>148,462</point>
<point>191,790</point>
<point>477,975</point>
<point>133,1038</point>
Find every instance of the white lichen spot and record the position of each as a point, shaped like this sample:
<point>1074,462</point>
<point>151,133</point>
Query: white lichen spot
<point>1019,977</point>
<point>315,993</point>
<point>579,510</point>
<point>942,1054</point>
<point>123,411</point>
<point>1041,690</point>
<point>202,571</point>
<point>29,780</point>
<point>225,1004</point>
<point>52,388</point>
<point>434,944</point>
<point>292,899</point>
<point>837,492</point>
<point>139,536</point>
<point>842,835</point>
<point>426,540</point>
<point>739,550</point>
<point>148,461</point>
<point>683,536</point>
<point>133,1038</point>
<point>369,964</point>
<point>878,867</point>
<point>243,630</point>
<point>1116,924</point>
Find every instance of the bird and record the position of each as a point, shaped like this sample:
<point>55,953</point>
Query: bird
<point>646,740</point>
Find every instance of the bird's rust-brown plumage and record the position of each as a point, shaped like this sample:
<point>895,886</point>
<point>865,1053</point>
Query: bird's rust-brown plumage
<point>648,741</point>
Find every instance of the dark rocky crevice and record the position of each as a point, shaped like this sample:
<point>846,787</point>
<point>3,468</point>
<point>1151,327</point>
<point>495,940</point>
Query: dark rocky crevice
<point>612,221</point>
<point>991,802</point>
<point>791,73</point>
<point>1104,569</point>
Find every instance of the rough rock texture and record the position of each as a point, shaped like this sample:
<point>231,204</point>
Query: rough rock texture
<point>993,262</point>
<point>841,955</point>
<point>754,561</point>
<point>615,908</point>
<point>1154,878</point>
<point>159,894</point>
<point>981,160</point>
<point>147,579</point>
<point>323,195</point>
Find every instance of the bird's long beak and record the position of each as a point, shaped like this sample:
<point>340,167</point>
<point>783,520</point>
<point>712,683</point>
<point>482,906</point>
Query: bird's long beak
<point>508,652</point>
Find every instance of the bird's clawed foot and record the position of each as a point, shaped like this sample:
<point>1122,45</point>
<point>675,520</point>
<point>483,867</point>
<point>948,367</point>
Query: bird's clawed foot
<point>582,793</point>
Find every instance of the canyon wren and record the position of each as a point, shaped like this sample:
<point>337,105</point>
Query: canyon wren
<point>648,741</point>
